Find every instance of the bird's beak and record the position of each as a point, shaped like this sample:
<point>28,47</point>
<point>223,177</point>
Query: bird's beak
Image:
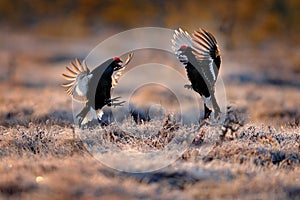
<point>178,52</point>
<point>120,66</point>
<point>90,76</point>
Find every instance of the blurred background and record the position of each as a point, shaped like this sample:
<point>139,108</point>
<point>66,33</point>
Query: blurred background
<point>259,41</point>
<point>241,22</point>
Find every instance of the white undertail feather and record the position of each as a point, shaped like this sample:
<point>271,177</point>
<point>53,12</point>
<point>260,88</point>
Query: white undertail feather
<point>99,114</point>
<point>90,116</point>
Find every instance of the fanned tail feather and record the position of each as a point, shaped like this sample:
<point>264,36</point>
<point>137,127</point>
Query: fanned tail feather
<point>72,74</point>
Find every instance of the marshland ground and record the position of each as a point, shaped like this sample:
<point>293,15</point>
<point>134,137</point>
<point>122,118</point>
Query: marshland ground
<point>258,157</point>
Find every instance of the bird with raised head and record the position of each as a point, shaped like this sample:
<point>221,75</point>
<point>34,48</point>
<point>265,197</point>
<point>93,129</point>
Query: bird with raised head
<point>201,57</point>
<point>94,87</point>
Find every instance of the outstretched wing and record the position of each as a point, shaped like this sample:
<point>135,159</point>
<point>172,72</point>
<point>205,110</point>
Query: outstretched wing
<point>181,38</point>
<point>206,50</point>
<point>76,75</point>
<point>117,74</point>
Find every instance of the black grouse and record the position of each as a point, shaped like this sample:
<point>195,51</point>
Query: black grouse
<point>94,88</point>
<point>201,56</point>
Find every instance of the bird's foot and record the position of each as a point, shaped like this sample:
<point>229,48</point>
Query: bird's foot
<point>111,100</point>
<point>217,116</point>
<point>80,119</point>
<point>114,102</point>
<point>118,104</point>
<point>214,118</point>
<point>208,114</point>
<point>114,99</point>
<point>188,86</point>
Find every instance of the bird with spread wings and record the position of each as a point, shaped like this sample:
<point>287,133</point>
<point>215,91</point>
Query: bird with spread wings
<point>201,57</point>
<point>94,87</point>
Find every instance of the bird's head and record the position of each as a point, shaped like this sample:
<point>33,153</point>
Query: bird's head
<point>183,53</point>
<point>117,63</point>
<point>184,50</point>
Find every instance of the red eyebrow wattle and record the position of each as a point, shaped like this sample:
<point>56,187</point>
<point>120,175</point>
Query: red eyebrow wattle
<point>117,59</point>
<point>183,47</point>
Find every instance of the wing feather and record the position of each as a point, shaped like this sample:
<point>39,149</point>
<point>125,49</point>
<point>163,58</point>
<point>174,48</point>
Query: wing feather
<point>71,72</point>
<point>75,67</point>
<point>206,49</point>
<point>79,66</point>
<point>71,75</point>
<point>181,38</point>
<point>68,84</point>
<point>116,75</point>
<point>202,40</point>
<point>85,67</point>
<point>129,57</point>
<point>68,77</point>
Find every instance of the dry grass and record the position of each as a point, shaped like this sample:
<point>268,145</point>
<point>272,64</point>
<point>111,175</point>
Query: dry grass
<point>39,151</point>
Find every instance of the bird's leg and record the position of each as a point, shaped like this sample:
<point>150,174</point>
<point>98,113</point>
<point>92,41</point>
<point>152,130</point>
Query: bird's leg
<point>81,115</point>
<point>114,99</point>
<point>188,86</point>
<point>216,107</point>
<point>207,112</point>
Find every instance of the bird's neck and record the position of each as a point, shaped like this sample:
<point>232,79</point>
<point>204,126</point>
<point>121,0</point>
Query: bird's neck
<point>108,71</point>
